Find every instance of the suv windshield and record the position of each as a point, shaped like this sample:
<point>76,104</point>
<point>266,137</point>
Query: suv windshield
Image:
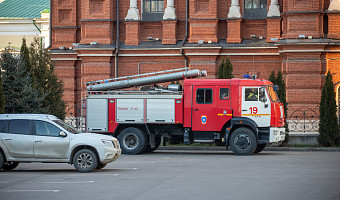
<point>272,93</point>
<point>69,128</point>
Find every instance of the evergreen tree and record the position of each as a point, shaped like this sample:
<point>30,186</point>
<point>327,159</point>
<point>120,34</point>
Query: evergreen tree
<point>225,70</point>
<point>46,81</point>
<point>20,96</point>
<point>221,70</point>
<point>24,55</point>
<point>328,126</point>
<point>2,97</point>
<point>282,95</point>
<point>272,78</point>
<point>229,69</point>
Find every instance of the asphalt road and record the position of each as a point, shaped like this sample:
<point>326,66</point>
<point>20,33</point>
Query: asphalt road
<point>178,175</point>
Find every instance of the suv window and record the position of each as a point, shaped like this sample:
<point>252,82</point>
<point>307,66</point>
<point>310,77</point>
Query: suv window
<point>46,129</point>
<point>2,123</point>
<point>19,126</point>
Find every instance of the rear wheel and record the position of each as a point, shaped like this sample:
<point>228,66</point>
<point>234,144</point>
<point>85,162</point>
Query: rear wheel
<point>2,160</point>
<point>260,148</point>
<point>132,141</point>
<point>10,165</point>
<point>85,160</point>
<point>157,144</point>
<point>243,141</point>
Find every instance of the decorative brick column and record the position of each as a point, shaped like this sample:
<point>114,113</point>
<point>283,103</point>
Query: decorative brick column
<point>132,32</point>
<point>273,29</point>
<point>169,31</point>
<point>234,23</point>
<point>234,31</point>
<point>334,19</point>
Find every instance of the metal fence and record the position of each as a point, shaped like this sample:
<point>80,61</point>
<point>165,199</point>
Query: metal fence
<point>303,119</point>
<point>79,121</point>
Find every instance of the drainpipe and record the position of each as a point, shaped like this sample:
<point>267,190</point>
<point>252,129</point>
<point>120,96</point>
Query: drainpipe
<point>186,32</point>
<point>39,32</point>
<point>50,33</point>
<point>117,39</point>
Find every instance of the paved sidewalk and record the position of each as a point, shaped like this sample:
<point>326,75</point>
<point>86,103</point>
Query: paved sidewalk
<point>215,148</point>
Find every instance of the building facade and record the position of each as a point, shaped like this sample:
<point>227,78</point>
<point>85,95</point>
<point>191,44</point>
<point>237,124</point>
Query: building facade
<point>101,39</point>
<point>20,19</point>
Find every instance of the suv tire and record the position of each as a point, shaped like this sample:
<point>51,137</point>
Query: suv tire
<point>2,160</point>
<point>10,165</point>
<point>85,160</point>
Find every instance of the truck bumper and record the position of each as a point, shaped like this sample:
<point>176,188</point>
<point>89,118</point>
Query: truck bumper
<point>276,135</point>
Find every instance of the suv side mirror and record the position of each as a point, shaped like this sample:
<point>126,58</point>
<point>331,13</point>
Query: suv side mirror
<point>62,134</point>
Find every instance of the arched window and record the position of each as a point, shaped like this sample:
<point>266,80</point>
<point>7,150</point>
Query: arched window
<point>255,9</point>
<point>153,10</point>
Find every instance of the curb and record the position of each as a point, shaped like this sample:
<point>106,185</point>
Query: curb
<point>188,148</point>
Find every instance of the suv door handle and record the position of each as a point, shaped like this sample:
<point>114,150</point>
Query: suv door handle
<point>7,139</point>
<point>38,141</point>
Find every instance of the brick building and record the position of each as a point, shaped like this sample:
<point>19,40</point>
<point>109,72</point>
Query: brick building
<point>300,37</point>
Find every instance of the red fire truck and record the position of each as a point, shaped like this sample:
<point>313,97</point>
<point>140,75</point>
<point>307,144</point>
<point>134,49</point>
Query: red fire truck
<point>243,114</point>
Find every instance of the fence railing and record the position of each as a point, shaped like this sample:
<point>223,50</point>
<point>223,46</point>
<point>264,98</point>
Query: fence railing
<point>303,119</point>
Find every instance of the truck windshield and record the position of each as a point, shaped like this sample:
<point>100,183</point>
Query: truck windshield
<point>272,93</point>
<point>69,128</point>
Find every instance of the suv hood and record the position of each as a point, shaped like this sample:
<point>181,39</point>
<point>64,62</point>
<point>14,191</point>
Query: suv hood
<point>95,135</point>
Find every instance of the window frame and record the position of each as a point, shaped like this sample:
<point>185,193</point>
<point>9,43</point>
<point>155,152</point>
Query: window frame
<point>152,16</point>
<point>29,126</point>
<point>255,13</point>
<point>228,90</point>
<point>204,100</point>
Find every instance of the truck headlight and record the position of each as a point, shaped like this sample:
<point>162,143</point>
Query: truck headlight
<point>107,143</point>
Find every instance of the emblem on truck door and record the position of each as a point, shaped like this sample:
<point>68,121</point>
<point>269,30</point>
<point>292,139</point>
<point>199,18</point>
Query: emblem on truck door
<point>203,119</point>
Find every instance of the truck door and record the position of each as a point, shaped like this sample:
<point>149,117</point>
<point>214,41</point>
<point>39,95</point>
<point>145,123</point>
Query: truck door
<point>203,109</point>
<point>256,105</point>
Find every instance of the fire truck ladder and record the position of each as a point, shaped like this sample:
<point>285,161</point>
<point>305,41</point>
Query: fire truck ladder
<point>144,79</point>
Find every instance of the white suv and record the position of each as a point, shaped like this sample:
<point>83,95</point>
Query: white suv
<point>45,138</point>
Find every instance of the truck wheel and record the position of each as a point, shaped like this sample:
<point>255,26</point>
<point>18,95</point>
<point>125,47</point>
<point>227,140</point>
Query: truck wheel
<point>2,160</point>
<point>85,160</point>
<point>157,144</point>
<point>260,148</point>
<point>10,165</point>
<point>132,141</point>
<point>243,141</point>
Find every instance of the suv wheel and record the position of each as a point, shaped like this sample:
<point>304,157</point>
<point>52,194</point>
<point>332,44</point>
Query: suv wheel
<point>10,165</point>
<point>2,160</point>
<point>85,160</point>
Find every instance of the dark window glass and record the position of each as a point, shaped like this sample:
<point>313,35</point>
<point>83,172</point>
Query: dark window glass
<point>251,94</point>
<point>46,129</point>
<point>204,96</point>
<point>2,123</point>
<point>224,93</point>
<point>255,9</point>
<point>19,126</point>
<point>153,10</point>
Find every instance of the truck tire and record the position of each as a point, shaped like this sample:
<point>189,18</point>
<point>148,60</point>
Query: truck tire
<point>243,141</point>
<point>157,144</point>
<point>85,160</point>
<point>132,141</point>
<point>10,165</point>
<point>260,148</point>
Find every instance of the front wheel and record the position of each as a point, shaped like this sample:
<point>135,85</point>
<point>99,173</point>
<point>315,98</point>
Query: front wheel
<point>132,141</point>
<point>260,148</point>
<point>10,165</point>
<point>85,160</point>
<point>243,141</point>
<point>2,160</point>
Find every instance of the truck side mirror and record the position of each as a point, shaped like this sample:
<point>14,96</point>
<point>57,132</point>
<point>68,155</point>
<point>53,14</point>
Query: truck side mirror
<point>263,99</point>
<point>275,88</point>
